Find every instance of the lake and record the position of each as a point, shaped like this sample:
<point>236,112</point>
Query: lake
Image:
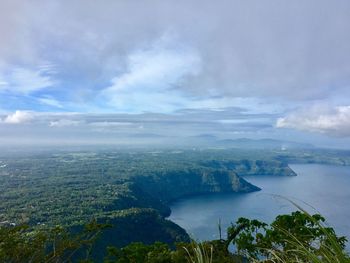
<point>321,187</point>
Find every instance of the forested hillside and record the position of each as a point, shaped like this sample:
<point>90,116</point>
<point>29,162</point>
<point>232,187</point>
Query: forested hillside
<point>123,188</point>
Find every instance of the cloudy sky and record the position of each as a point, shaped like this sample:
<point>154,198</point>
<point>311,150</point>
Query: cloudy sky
<point>100,71</point>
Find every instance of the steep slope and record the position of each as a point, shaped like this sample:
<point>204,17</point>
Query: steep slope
<point>171,185</point>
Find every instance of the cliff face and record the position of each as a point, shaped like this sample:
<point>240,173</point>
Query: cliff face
<point>172,185</point>
<point>139,212</point>
<point>212,177</point>
<point>138,196</point>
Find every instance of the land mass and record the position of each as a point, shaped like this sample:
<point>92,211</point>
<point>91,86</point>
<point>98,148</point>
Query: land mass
<point>131,190</point>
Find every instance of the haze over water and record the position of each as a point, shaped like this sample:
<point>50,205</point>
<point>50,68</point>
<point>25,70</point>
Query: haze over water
<point>324,187</point>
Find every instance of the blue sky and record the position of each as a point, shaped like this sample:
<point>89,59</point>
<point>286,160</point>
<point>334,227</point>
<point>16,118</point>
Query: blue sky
<point>278,69</point>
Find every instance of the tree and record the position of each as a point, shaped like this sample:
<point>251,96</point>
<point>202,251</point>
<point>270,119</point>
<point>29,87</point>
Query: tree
<point>24,244</point>
<point>298,236</point>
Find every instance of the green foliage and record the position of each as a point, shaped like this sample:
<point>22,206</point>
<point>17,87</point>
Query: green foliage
<point>23,244</point>
<point>17,244</point>
<point>68,188</point>
<point>138,225</point>
<point>246,235</point>
<point>161,253</point>
<point>139,253</point>
<point>298,237</point>
<point>295,238</point>
<point>132,189</point>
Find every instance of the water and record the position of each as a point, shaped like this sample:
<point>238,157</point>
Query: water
<point>324,187</point>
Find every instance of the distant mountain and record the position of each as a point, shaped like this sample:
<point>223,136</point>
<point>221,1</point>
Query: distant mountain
<point>207,137</point>
<point>146,135</point>
<point>245,143</point>
<point>263,144</point>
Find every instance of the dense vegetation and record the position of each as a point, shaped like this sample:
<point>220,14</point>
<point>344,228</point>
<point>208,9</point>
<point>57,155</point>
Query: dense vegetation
<point>298,237</point>
<point>129,188</point>
<point>71,188</point>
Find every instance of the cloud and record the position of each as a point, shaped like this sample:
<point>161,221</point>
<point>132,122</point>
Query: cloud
<point>157,79</point>
<point>50,102</point>
<point>18,117</point>
<point>64,123</point>
<point>152,78</point>
<point>54,128</point>
<point>293,51</point>
<point>26,81</point>
<point>110,124</point>
<point>332,121</point>
<point>266,57</point>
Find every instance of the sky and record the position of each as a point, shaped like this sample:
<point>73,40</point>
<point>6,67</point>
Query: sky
<point>85,71</point>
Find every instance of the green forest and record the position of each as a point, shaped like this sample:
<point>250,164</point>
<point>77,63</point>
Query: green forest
<point>297,237</point>
<point>113,205</point>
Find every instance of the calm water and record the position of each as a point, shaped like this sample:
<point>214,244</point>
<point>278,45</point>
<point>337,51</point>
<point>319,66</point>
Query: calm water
<point>324,187</point>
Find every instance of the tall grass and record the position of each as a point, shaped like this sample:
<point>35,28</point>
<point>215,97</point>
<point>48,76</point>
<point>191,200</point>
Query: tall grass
<point>199,253</point>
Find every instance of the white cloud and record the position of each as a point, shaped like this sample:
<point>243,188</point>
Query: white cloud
<point>64,123</point>
<point>50,101</point>
<point>156,81</point>
<point>110,124</point>
<point>26,81</point>
<point>152,80</point>
<point>251,105</point>
<point>333,121</point>
<point>243,120</point>
<point>246,49</point>
<point>18,117</point>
